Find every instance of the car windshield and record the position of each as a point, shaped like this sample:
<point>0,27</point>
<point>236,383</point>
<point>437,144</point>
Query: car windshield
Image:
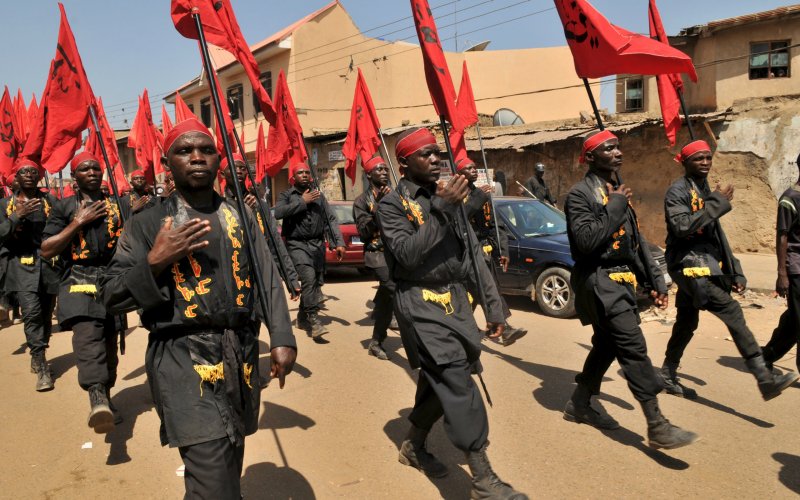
<point>344,213</point>
<point>530,218</point>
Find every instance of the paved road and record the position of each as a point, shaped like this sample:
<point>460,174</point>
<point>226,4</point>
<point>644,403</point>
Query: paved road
<point>333,431</point>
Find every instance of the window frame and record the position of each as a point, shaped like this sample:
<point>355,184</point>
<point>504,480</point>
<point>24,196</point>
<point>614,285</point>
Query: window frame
<point>626,99</point>
<point>205,111</point>
<point>266,76</point>
<point>769,53</point>
<point>237,108</point>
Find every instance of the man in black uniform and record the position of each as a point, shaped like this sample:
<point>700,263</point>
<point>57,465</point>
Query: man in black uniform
<point>427,251</point>
<point>34,280</point>
<point>538,187</point>
<point>365,209</point>
<point>611,258</point>
<point>700,261</point>
<point>251,201</point>
<point>186,262</point>
<point>787,245</point>
<point>83,229</point>
<point>479,212</point>
<point>304,212</point>
<point>139,198</point>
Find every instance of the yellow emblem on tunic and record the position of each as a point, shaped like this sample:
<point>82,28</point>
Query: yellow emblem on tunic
<point>487,249</point>
<point>26,261</point>
<point>443,299</point>
<point>213,373</point>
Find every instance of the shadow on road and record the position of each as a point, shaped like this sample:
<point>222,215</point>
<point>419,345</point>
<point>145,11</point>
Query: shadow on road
<point>731,411</point>
<point>20,350</point>
<point>131,403</point>
<point>138,372</point>
<point>61,364</point>
<point>267,480</point>
<point>457,484</point>
<point>789,474</point>
<point>393,347</point>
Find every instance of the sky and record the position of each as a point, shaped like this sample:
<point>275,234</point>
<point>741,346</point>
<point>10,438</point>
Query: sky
<point>128,45</point>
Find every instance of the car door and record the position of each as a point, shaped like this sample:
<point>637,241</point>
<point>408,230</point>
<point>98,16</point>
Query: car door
<point>513,277</point>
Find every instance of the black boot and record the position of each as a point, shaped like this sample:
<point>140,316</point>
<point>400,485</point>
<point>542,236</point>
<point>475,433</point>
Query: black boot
<point>317,328</point>
<point>414,454</point>
<point>114,411</point>
<point>579,410</point>
<point>376,349</point>
<point>669,375</point>
<point>485,483</point>
<point>660,432</point>
<point>302,321</point>
<point>44,381</point>
<point>511,335</point>
<point>770,384</point>
<point>100,417</point>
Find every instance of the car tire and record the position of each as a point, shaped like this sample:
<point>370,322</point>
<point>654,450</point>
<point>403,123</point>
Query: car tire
<point>554,293</point>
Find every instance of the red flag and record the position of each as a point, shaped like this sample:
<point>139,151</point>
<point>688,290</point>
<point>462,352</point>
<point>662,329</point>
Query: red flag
<point>110,142</point>
<point>144,138</point>
<point>466,99</point>
<point>33,110</point>
<point>226,115</point>
<point>668,85</point>
<point>9,140</point>
<point>601,49</point>
<point>363,136</point>
<point>64,110</point>
<point>261,155</point>
<point>221,29</point>
<point>437,74</point>
<point>286,136</point>
<point>182,111</point>
<point>21,114</point>
<point>166,123</point>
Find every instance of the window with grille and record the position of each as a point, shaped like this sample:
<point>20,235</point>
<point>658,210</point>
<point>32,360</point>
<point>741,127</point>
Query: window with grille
<point>235,101</point>
<point>205,111</point>
<point>769,60</point>
<point>266,81</point>
<point>634,94</point>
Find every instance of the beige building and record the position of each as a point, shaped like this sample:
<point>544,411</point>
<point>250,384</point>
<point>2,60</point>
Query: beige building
<point>741,57</point>
<point>321,53</point>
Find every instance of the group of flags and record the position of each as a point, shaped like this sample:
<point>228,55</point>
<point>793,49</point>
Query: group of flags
<point>50,131</point>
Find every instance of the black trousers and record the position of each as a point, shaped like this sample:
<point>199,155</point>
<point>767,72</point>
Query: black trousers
<point>619,337</point>
<point>719,303</point>
<point>450,391</point>
<point>94,342</point>
<point>310,288</point>
<point>213,470</point>
<point>785,335</point>
<point>37,315</point>
<point>384,303</point>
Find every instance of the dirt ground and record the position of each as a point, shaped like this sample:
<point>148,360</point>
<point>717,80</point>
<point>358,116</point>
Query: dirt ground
<point>334,430</point>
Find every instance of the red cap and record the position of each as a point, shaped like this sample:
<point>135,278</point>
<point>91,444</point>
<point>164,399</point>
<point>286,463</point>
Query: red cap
<point>184,127</point>
<point>80,158</point>
<point>413,142</point>
<point>293,169</point>
<point>690,149</point>
<point>463,163</point>
<point>370,164</point>
<point>26,162</point>
<point>594,142</point>
<point>224,163</point>
<point>137,173</point>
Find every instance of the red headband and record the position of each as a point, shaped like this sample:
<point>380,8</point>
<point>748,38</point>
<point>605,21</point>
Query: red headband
<point>463,163</point>
<point>224,163</point>
<point>184,127</point>
<point>413,142</point>
<point>137,173</point>
<point>82,157</point>
<point>294,167</point>
<point>594,142</point>
<point>370,164</point>
<point>26,162</point>
<point>690,149</point>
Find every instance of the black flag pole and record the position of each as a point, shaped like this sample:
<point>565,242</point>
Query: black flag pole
<point>255,265</point>
<point>465,222</point>
<point>109,170</point>
<point>388,157</point>
<point>263,213</point>
<point>491,197</point>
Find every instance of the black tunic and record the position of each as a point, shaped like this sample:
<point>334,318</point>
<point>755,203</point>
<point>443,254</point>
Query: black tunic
<point>426,251</point>
<point>603,243</point>
<point>364,213</point>
<point>479,213</point>
<point>540,189</point>
<point>22,240</point>
<point>85,258</point>
<point>203,321</point>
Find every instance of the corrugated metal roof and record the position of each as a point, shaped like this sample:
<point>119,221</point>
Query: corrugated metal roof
<point>730,22</point>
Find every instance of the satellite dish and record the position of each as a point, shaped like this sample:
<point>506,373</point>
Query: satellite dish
<point>504,117</point>
<point>478,47</point>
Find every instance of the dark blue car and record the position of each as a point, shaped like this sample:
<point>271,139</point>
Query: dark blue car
<point>540,261</point>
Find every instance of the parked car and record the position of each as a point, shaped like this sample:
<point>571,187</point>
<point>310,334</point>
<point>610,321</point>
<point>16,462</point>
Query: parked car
<point>540,262</point>
<point>354,247</point>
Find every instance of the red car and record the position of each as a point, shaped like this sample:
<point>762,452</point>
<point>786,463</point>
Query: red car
<point>354,253</point>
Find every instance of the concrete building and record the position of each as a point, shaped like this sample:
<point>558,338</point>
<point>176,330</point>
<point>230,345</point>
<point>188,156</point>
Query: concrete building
<point>320,55</point>
<point>736,58</point>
